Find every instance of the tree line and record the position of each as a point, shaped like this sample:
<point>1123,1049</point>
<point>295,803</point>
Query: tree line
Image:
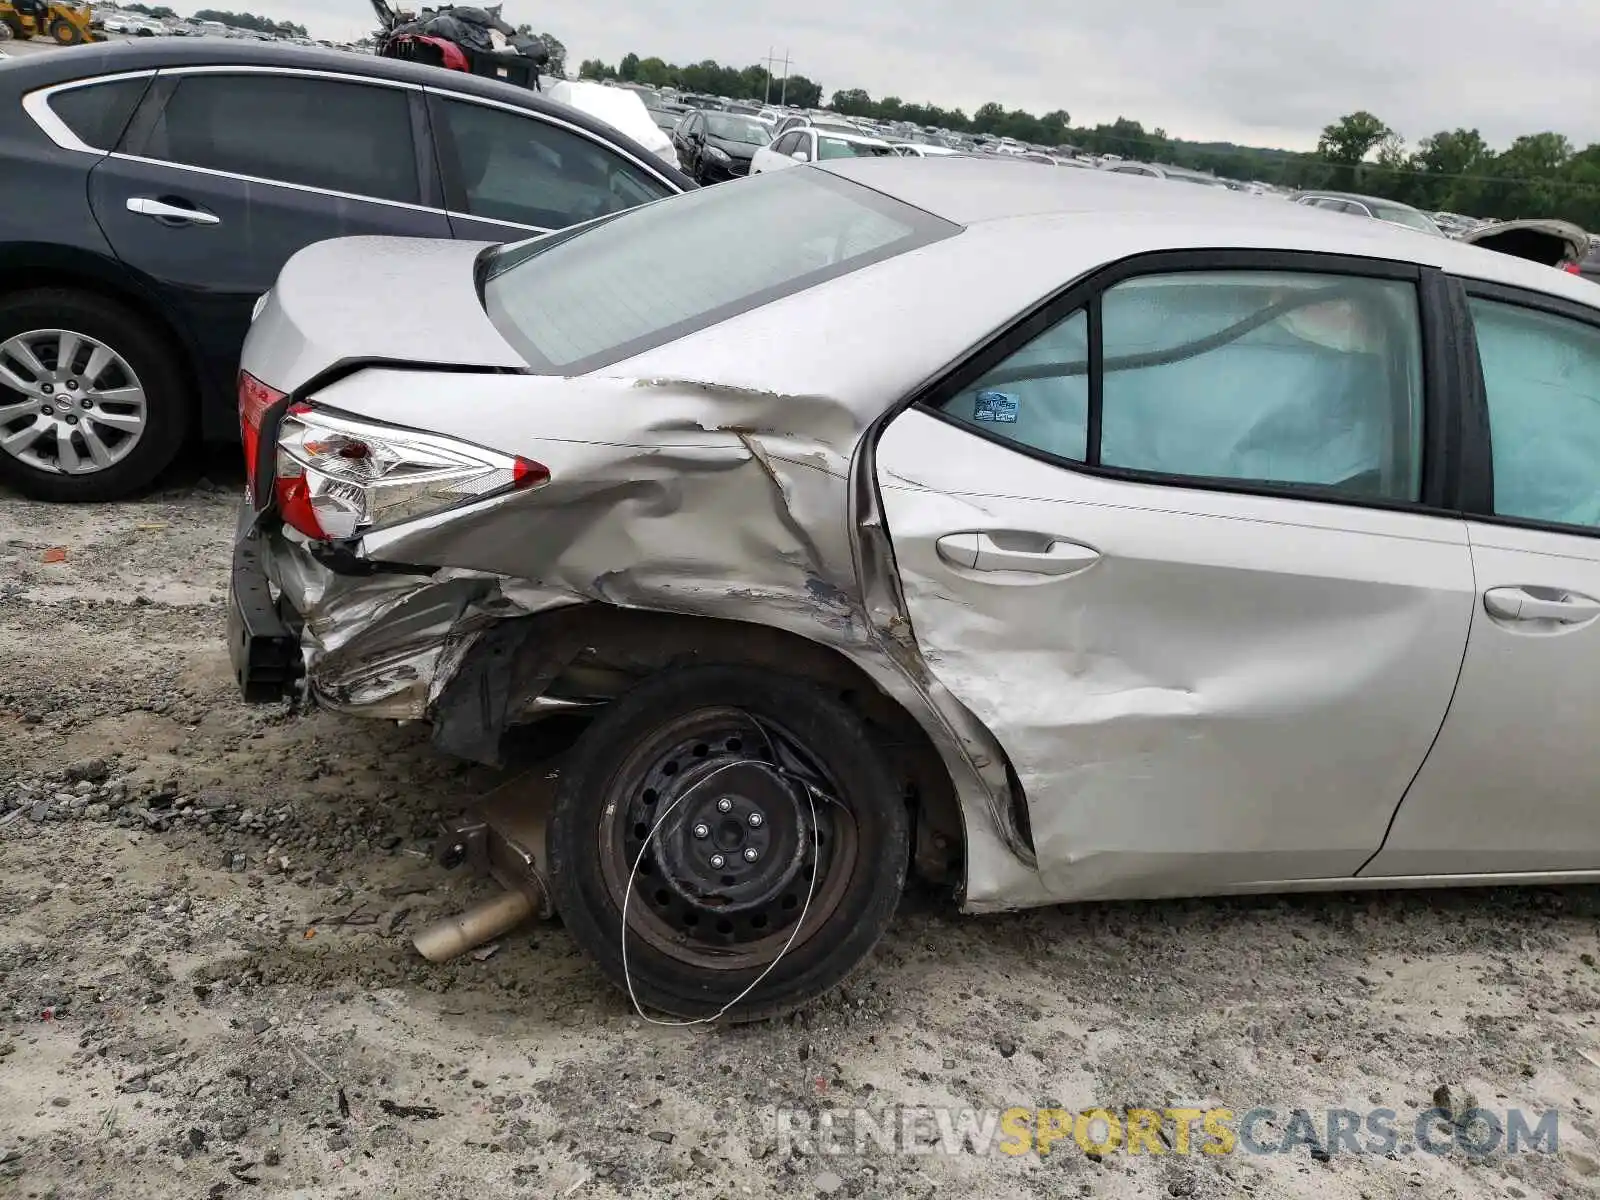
<point>1455,170</point>
<point>711,78</point>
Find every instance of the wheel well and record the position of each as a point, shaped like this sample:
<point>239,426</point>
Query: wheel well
<point>593,653</point>
<point>30,277</point>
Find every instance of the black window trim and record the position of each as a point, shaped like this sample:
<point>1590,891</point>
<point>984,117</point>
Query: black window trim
<point>1480,442</point>
<point>1440,329</point>
<point>136,136</point>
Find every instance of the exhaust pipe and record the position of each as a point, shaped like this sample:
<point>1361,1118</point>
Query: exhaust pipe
<point>483,922</point>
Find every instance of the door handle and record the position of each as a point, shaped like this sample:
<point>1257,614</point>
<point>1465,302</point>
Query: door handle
<point>1034,553</point>
<point>161,211</point>
<point>1518,604</point>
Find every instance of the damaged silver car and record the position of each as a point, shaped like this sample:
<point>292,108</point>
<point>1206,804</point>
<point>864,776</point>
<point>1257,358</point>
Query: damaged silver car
<point>1058,538</point>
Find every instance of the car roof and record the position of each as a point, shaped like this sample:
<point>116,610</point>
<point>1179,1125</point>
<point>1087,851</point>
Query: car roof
<point>1357,196</point>
<point>106,58</point>
<point>833,131</point>
<point>1016,199</point>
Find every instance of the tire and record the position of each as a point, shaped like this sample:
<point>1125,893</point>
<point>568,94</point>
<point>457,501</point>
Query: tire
<point>143,351</point>
<point>65,32</point>
<point>848,896</point>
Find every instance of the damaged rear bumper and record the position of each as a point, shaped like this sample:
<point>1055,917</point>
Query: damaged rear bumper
<point>262,646</point>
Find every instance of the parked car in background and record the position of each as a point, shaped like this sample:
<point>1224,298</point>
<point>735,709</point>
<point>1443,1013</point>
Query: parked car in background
<point>1162,171</point>
<point>717,146</point>
<point>811,121</point>
<point>151,191</point>
<point>1546,240</point>
<point>620,108</point>
<point>667,115</point>
<point>1093,550</point>
<point>808,144</point>
<point>922,150</point>
<point>1373,207</point>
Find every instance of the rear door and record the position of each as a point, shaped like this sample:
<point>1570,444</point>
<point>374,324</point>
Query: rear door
<point>511,173</point>
<point>224,173</point>
<point>1513,784</point>
<point>1177,541</point>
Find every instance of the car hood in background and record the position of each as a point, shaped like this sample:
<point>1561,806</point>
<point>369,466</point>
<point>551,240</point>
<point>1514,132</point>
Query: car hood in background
<point>619,108</point>
<point>732,148</point>
<point>1543,240</point>
<point>403,300</point>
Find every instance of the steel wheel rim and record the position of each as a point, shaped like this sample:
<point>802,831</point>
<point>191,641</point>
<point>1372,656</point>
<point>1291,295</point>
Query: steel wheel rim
<point>69,403</point>
<point>660,901</point>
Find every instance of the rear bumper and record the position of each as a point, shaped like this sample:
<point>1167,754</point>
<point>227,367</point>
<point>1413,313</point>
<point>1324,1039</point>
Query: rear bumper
<point>262,645</point>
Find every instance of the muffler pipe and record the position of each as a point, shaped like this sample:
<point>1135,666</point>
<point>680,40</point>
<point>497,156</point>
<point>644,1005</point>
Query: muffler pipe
<point>483,922</point>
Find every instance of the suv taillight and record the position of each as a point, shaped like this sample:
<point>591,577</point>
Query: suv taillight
<point>255,399</point>
<point>337,476</point>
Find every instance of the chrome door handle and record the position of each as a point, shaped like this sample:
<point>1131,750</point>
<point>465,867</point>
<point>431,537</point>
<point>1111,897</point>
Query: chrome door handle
<point>1517,604</point>
<point>146,207</point>
<point>1054,556</point>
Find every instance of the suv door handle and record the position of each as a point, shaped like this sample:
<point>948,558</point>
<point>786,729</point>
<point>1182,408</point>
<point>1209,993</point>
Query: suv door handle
<point>145,206</point>
<point>1518,604</point>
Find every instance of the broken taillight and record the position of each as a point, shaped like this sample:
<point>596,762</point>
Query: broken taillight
<point>255,399</point>
<point>337,476</point>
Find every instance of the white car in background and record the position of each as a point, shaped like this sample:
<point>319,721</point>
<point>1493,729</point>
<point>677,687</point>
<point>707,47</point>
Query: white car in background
<point>809,144</point>
<point>621,108</point>
<point>921,150</point>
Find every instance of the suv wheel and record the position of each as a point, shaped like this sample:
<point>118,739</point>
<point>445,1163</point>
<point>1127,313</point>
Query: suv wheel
<point>746,820</point>
<point>92,404</point>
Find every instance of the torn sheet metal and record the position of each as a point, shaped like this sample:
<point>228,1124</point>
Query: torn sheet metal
<point>716,507</point>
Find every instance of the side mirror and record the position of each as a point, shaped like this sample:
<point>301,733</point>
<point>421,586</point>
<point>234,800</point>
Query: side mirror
<point>799,156</point>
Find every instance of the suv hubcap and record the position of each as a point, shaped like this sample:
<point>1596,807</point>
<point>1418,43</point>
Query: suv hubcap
<point>69,404</point>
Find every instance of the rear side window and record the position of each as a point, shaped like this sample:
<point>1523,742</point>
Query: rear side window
<point>1256,377</point>
<point>517,168</point>
<point>835,147</point>
<point>1541,375</point>
<point>322,133</point>
<point>99,112</point>
<point>605,292</point>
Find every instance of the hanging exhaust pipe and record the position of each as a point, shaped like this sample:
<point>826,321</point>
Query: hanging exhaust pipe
<point>483,922</point>
<point>503,838</point>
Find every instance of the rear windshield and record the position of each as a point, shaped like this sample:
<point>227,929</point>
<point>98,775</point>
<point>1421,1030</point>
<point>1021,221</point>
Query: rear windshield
<point>593,295</point>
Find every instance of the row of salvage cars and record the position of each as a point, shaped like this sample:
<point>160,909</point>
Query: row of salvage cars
<point>1060,536</point>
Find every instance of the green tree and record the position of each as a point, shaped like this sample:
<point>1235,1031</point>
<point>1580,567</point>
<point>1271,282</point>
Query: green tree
<point>628,68</point>
<point>653,72</point>
<point>853,103</point>
<point>1350,139</point>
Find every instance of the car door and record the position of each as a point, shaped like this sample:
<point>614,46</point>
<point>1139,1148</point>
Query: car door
<point>1513,783</point>
<point>1168,540</point>
<point>510,173</point>
<point>683,141</point>
<point>776,154</point>
<point>224,173</point>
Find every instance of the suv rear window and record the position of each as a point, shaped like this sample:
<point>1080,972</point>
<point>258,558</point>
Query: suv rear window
<point>594,295</point>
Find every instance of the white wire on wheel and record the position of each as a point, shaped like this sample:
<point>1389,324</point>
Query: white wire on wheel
<point>627,893</point>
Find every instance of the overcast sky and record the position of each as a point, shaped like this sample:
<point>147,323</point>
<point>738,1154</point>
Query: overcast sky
<point>1262,72</point>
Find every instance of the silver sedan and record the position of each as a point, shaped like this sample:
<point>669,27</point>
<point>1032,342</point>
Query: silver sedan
<point>1059,535</point>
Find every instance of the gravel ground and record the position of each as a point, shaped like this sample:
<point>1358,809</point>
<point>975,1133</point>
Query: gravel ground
<point>206,986</point>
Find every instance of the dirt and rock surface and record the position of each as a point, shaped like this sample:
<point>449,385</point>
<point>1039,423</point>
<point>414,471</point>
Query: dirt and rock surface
<point>207,988</point>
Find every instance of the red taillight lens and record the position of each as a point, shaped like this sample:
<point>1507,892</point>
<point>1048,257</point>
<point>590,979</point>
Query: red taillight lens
<point>1572,268</point>
<point>255,398</point>
<point>336,476</point>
